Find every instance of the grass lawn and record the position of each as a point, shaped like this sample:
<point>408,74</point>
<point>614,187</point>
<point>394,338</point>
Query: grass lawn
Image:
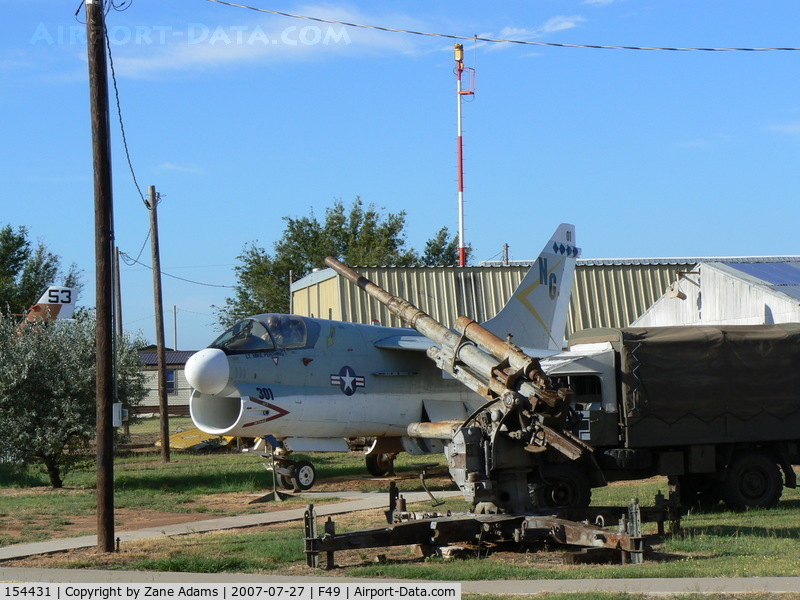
<point>712,544</point>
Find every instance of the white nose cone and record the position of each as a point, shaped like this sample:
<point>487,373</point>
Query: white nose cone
<point>207,371</point>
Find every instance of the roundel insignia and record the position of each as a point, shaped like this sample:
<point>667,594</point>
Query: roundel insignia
<point>347,380</point>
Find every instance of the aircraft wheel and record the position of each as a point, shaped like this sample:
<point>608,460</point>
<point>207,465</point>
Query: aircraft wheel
<point>565,485</point>
<point>285,482</point>
<point>753,480</point>
<point>379,465</point>
<point>305,475</point>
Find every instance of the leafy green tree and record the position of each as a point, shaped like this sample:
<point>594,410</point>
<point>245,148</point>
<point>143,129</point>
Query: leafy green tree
<point>357,235</point>
<point>47,391</point>
<point>25,271</point>
<point>259,284</point>
<point>442,250</point>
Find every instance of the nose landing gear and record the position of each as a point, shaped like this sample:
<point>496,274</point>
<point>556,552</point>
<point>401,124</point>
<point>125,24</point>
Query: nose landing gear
<point>296,476</point>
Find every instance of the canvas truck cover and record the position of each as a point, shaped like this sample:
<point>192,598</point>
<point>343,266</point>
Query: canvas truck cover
<point>706,384</point>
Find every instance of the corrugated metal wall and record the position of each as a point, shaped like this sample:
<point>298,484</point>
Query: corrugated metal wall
<point>609,294</point>
<point>319,300</point>
<point>443,292</point>
<point>605,293</point>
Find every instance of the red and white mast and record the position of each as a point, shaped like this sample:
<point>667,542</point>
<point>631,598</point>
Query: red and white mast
<point>460,68</point>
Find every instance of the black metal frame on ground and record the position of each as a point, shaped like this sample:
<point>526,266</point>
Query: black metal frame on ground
<point>585,528</point>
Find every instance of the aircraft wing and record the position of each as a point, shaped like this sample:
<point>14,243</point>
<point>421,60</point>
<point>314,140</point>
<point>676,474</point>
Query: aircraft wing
<point>414,343</point>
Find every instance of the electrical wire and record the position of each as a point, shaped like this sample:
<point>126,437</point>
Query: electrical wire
<point>192,312</point>
<point>144,243</point>
<point>119,114</point>
<point>495,40</point>
<point>128,260</point>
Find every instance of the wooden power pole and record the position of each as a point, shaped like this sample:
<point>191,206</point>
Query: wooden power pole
<point>117,295</point>
<point>104,240</point>
<point>163,405</point>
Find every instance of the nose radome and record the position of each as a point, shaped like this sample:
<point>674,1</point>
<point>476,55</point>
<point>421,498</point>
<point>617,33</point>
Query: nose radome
<point>207,371</point>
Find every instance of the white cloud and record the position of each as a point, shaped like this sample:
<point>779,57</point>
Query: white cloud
<point>527,34</point>
<point>143,51</point>
<point>789,128</point>
<point>557,23</point>
<point>168,166</point>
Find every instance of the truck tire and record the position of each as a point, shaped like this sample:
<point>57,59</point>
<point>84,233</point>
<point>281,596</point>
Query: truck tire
<point>752,480</point>
<point>565,485</point>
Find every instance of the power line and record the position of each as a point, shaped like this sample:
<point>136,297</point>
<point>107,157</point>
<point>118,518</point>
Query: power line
<point>130,261</point>
<point>494,40</point>
<point>119,113</point>
<point>144,243</point>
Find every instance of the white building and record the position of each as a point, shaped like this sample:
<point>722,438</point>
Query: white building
<point>731,291</point>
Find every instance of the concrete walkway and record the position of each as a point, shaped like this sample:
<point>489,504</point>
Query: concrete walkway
<point>353,501</point>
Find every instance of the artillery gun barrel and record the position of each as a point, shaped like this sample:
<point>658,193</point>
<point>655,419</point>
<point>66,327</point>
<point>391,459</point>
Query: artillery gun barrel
<point>454,346</point>
<point>440,430</point>
<point>473,356</point>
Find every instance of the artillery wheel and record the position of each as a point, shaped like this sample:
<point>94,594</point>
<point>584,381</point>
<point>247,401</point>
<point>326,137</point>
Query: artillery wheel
<point>565,485</point>
<point>379,465</point>
<point>753,480</point>
<point>304,476</point>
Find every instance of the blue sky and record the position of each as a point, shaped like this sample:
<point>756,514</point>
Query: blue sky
<point>241,118</point>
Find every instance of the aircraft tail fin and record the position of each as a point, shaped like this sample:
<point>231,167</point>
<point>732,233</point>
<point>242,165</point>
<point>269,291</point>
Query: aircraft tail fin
<point>536,314</point>
<point>56,302</point>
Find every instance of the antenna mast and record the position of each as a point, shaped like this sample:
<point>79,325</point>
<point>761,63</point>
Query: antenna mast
<point>470,91</point>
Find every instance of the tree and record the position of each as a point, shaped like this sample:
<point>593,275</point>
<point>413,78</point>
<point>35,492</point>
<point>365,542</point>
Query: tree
<point>357,236</point>
<point>47,390</point>
<point>442,250</point>
<point>26,271</point>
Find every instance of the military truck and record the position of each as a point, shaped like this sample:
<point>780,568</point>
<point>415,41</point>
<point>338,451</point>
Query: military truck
<point>715,407</point>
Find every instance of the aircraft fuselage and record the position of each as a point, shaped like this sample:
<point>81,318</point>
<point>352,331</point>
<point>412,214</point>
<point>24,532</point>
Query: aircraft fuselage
<point>338,381</point>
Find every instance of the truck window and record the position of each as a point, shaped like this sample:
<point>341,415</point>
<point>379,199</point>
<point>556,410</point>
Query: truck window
<point>587,390</point>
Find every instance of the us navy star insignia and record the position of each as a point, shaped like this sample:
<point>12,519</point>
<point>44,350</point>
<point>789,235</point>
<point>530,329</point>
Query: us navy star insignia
<point>347,380</point>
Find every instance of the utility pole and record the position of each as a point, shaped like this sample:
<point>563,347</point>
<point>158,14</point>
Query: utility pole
<point>174,327</point>
<point>117,295</point>
<point>104,240</point>
<point>163,406</point>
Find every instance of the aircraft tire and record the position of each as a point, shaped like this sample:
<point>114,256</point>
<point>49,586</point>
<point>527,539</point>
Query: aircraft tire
<point>379,465</point>
<point>304,476</point>
<point>285,482</point>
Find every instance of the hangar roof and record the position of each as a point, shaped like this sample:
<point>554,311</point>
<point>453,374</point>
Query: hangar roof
<point>607,292</point>
<point>780,276</point>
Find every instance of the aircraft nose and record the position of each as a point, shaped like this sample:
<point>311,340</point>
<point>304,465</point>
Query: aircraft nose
<point>207,371</point>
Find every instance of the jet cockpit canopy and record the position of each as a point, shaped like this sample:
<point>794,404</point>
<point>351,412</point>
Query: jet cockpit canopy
<point>263,333</point>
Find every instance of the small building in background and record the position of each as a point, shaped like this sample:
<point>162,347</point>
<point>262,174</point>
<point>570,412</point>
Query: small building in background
<point>178,390</point>
<point>731,291</point>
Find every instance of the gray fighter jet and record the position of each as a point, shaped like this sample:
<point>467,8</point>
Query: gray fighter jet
<point>307,384</point>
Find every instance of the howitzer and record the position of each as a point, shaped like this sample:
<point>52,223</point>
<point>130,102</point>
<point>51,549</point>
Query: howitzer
<point>516,452</point>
